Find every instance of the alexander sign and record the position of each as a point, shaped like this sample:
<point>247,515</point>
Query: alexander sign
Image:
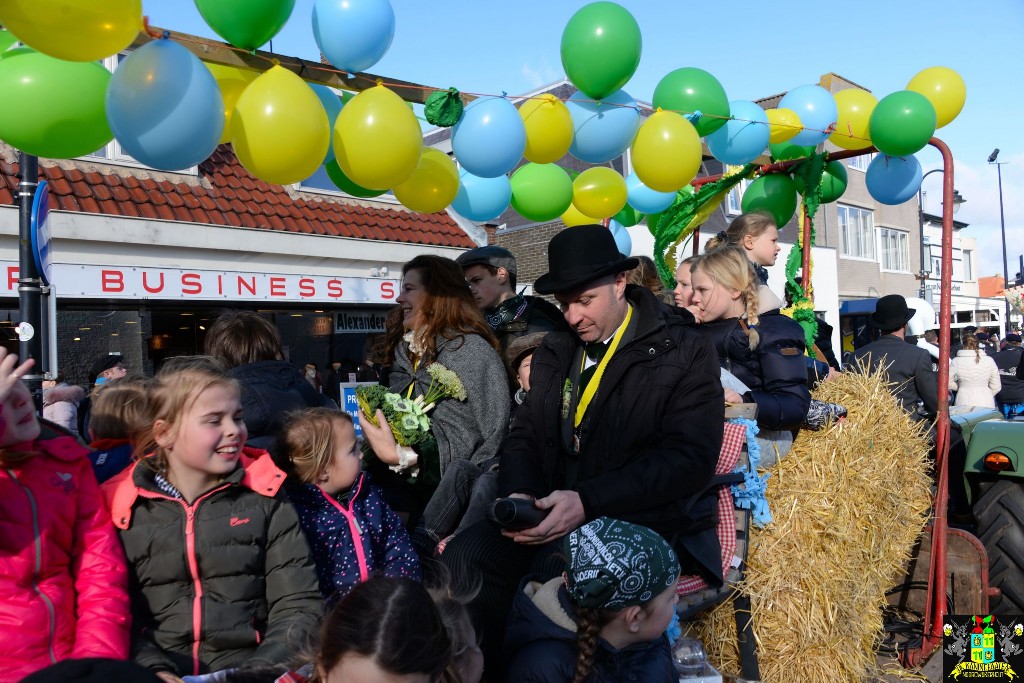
<point>359,322</point>
<point>134,282</point>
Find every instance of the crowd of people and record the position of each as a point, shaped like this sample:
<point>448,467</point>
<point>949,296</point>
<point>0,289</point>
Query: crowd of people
<point>225,523</point>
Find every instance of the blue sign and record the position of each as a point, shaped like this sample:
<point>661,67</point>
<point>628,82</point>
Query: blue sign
<point>349,403</point>
<point>39,229</point>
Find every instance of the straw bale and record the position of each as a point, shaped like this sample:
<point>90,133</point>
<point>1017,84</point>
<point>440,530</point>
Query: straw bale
<point>848,502</point>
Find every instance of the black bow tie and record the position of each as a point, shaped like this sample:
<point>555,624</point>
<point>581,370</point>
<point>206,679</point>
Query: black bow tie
<point>595,351</point>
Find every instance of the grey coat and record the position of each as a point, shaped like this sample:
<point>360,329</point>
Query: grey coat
<point>472,429</point>
<point>909,368</point>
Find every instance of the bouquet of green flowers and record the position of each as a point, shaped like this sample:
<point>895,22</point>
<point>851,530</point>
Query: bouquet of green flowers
<point>407,417</point>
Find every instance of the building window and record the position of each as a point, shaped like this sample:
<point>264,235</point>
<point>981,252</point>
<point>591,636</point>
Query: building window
<point>112,152</point>
<point>857,232</point>
<point>861,162</point>
<point>735,199</point>
<point>968,266</point>
<point>895,249</point>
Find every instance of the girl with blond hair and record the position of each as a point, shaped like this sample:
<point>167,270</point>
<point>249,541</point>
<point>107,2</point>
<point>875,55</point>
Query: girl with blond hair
<point>763,350</point>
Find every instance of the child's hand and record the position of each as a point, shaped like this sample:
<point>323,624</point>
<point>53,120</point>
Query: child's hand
<point>9,374</point>
<point>732,397</point>
<point>381,439</point>
<point>168,677</point>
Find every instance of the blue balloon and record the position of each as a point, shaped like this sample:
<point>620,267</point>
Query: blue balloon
<point>332,105</point>
<point>816,108</point>
<point>622,239</point>
<point>893,180</point>
<point>644,199</point>
<point>482,199</point>
<point>164,106</point>
<point>603,130</point>
<point>490,138</point>
<point>743,137</point>
<point>353,34</point>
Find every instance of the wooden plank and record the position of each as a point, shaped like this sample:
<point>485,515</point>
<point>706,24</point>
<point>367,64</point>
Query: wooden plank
<point>314,72</point>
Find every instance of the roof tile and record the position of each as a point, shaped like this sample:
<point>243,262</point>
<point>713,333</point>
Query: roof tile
<point>230,195</point>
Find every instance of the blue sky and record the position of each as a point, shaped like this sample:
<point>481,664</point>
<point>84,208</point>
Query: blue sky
<point>754,49</point>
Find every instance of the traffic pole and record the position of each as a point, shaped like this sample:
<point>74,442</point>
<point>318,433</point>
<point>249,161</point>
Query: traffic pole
<point>29,283</point>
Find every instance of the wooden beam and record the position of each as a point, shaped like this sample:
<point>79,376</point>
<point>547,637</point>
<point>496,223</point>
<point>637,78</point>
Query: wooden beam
<point>314,72</point>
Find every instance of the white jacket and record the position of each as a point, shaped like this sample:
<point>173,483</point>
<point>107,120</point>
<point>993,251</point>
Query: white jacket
<point>976,381</point>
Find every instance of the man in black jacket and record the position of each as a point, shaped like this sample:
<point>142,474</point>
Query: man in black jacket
<point>623,418</point>
<point>491,274</point>
<point>1010,361</point>
<point>909,368</point>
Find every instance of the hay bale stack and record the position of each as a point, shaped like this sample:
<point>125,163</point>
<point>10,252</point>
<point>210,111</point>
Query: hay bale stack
<point>848,502</point>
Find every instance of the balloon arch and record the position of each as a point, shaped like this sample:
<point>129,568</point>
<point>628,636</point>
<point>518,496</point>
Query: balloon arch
<point>169,110</point>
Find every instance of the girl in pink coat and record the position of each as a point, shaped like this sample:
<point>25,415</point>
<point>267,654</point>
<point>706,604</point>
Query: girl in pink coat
<point>63,578</point>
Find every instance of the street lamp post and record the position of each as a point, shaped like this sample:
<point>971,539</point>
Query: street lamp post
<point>1002,229</point>
<point>925,271</point>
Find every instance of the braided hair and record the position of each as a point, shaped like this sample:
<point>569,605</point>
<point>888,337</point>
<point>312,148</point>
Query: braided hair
<point>589,624</point>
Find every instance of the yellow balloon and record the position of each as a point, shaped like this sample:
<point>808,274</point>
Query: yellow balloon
<point>855,107</point>
<point>433,185</point>
<point>599,192</point>
<point>666,152</point>
<point>231,81</point>
<point>573,217</point>
<point>279,128</point>
<point>74,30</point>
<point>944,88</point>
<point>783,124</point>
<point>377,139</point>
<point>549,128</point>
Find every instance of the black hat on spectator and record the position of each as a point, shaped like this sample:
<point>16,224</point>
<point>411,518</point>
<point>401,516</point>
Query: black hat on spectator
<point>580,255</point>
<point>891,313</point>
<point>1013,338</point>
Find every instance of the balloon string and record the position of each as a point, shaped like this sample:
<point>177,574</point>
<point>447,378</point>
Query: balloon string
<point>377,80</point>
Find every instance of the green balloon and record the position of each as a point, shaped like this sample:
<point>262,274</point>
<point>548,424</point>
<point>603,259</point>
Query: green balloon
<point>6,39</point>
<point>541,192</point>
<point>601,48</point>
<point>628,216</point>
<point>345,184</point>
<point>833,182</point>
<point>59,108</point>
<point>775,194</point>
<point>784,151</point>
<point>689,90</point>
<point>247,24</point>
<point>902,123</point>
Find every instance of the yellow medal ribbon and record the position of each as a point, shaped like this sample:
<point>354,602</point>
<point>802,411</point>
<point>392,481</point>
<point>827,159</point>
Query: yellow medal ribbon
<point>588,393</point>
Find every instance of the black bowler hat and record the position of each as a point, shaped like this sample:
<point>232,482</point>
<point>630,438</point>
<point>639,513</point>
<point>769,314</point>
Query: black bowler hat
<point>891,312</point>
<point>580,255</point>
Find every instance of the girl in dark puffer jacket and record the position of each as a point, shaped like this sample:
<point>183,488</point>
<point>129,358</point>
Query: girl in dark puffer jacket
<point>219,570</point>
<point>764,350</point>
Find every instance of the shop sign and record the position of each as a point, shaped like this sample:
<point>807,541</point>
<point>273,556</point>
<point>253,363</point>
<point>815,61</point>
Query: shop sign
<point>359,322</point>
<point>134,282</point>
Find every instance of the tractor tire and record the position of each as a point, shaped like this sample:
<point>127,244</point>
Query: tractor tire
<point>1000,516</point>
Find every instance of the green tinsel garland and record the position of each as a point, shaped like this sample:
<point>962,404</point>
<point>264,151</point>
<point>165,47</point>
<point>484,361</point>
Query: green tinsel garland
<point>678,221</point>
<point>802,309</point>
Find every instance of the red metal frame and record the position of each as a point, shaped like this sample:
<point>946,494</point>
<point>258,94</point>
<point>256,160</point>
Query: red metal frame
<point>935,609</point>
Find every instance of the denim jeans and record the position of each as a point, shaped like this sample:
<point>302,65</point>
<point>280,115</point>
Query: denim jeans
<point>462,498</point>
